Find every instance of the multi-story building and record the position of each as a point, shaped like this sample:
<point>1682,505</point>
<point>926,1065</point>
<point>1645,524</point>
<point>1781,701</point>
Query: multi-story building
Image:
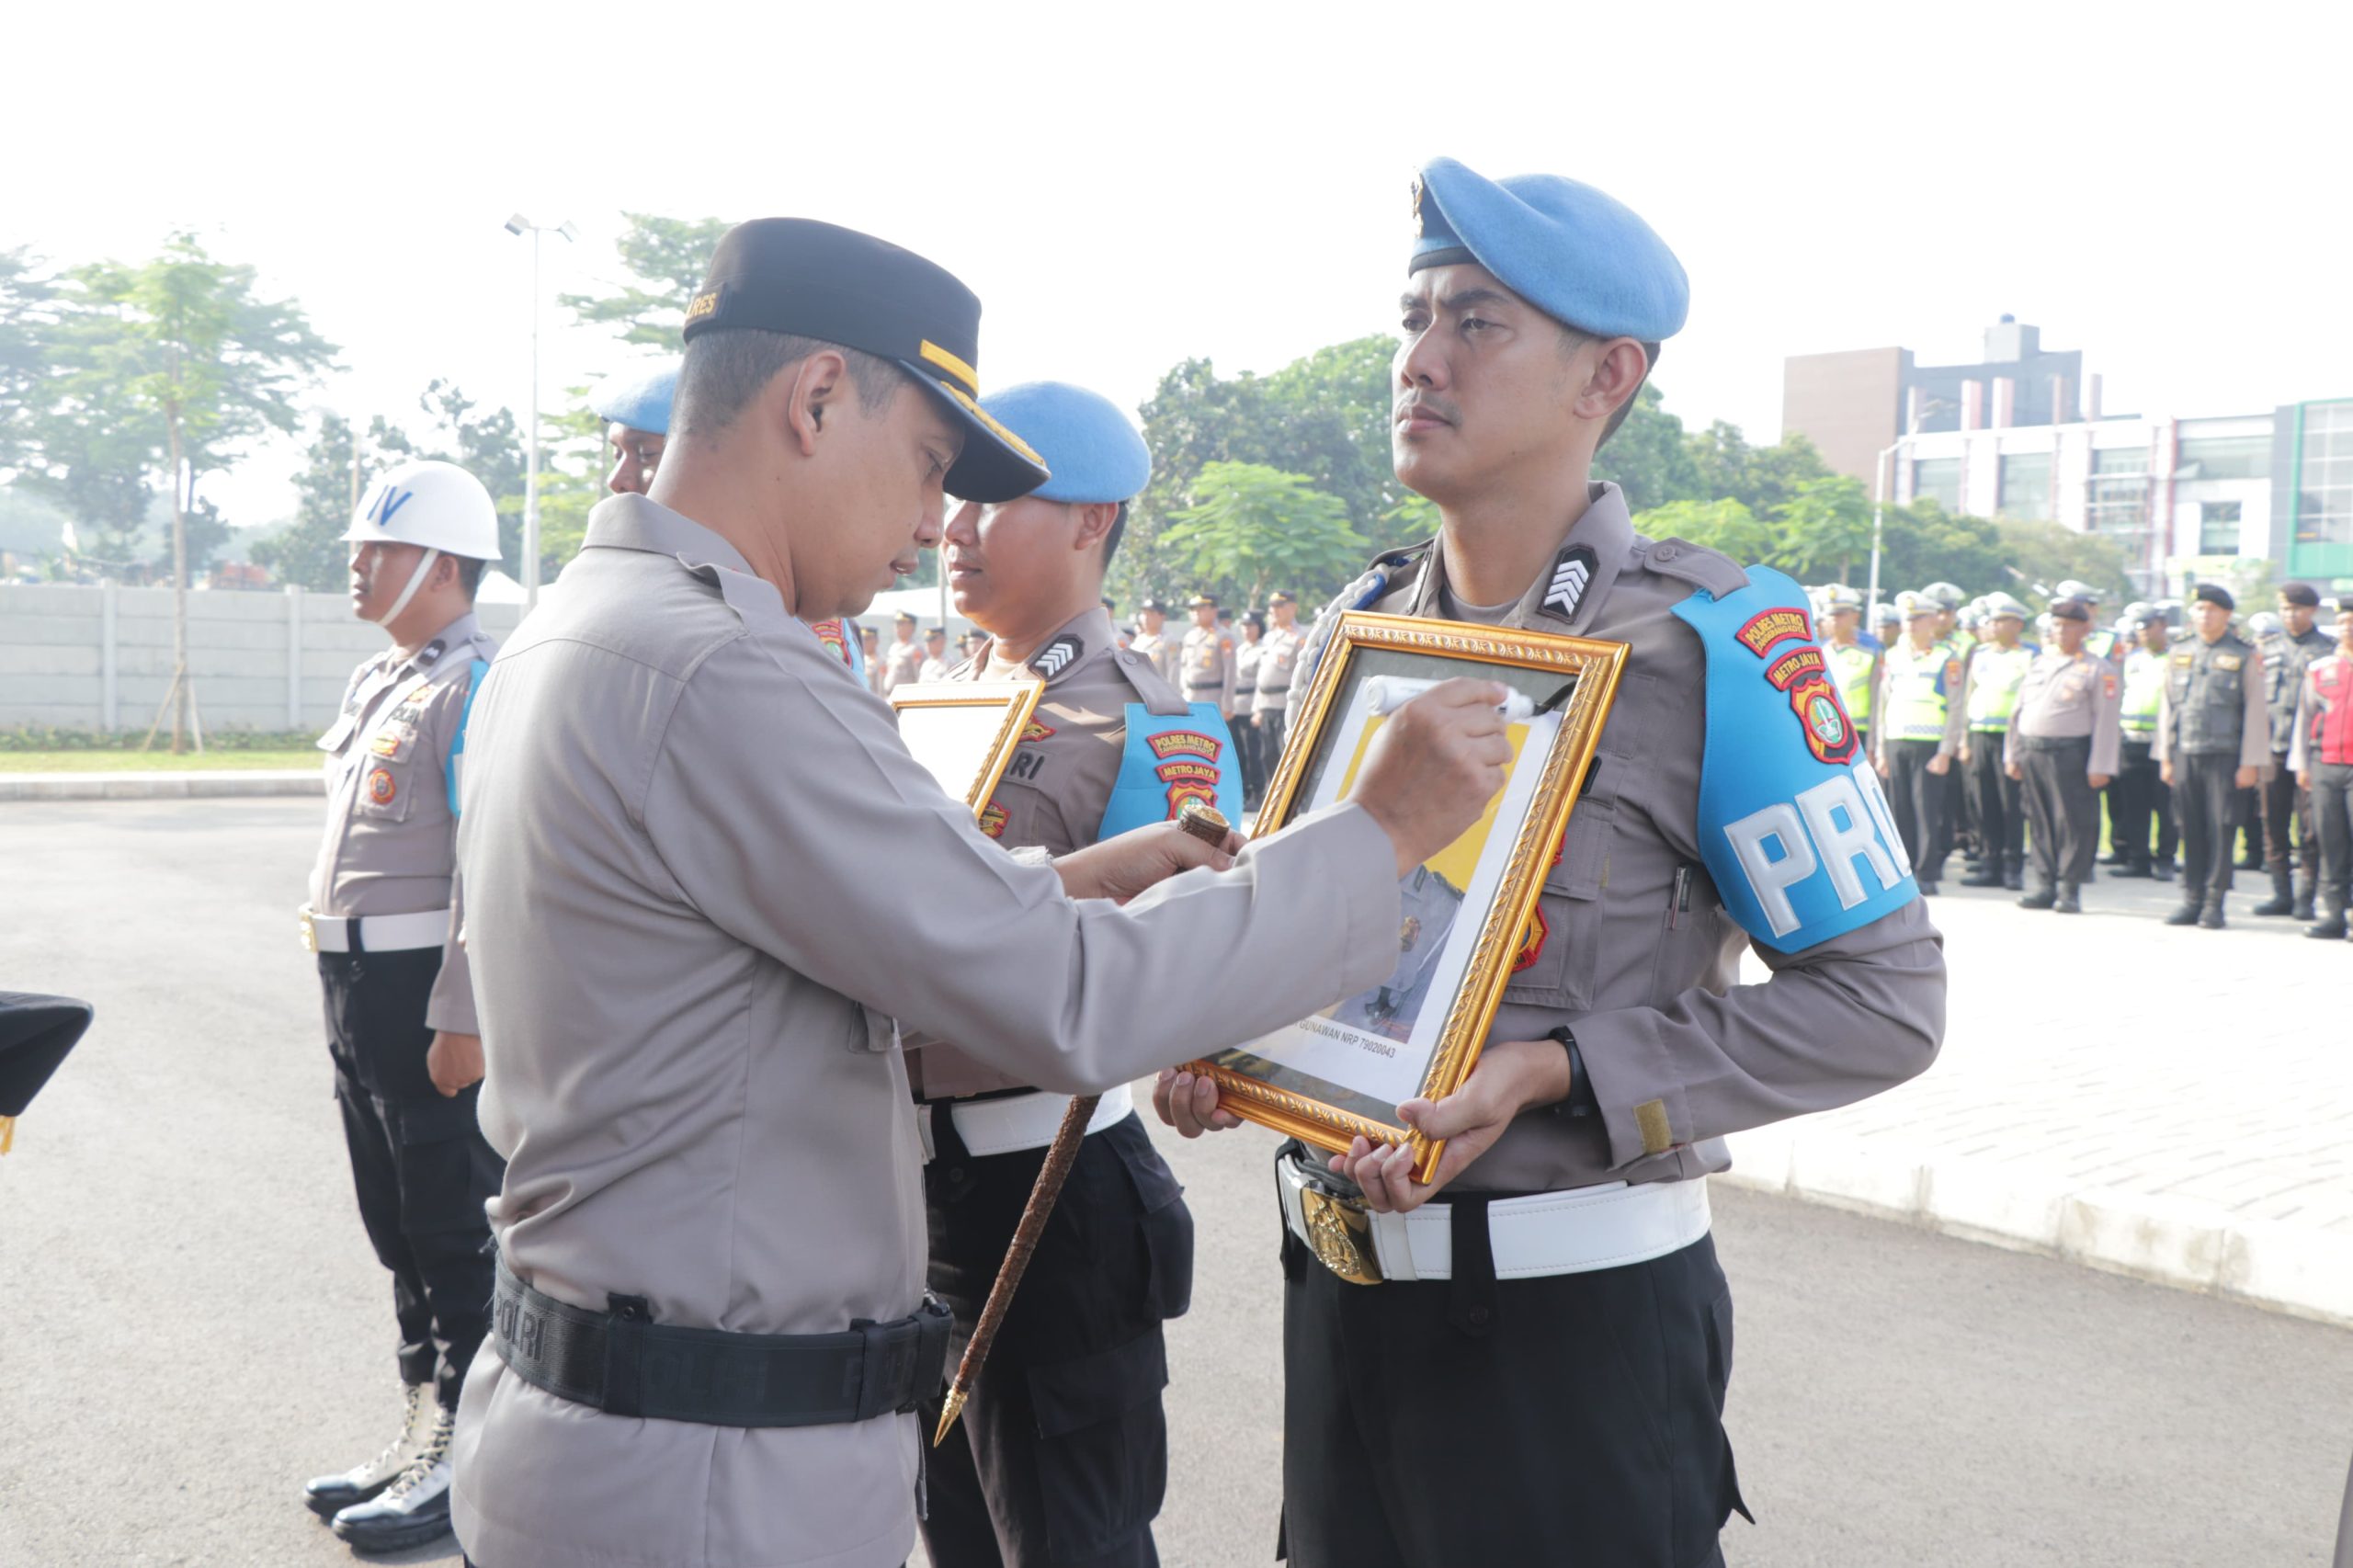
<point>2011,438</point>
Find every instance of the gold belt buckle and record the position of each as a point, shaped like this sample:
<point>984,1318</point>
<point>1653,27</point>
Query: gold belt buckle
<point>1340,1233</point>
<point>309,932</point>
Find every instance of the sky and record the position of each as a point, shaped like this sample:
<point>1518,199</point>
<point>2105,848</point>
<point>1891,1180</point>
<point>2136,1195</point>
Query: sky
<point>2165,187</point>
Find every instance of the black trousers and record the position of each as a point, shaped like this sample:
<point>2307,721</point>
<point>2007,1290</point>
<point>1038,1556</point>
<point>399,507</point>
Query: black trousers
<point>1572,1421</point>
<point>2332,809</point>
<point>2135,795</point>
<point>2206,796</point>
<point>2282,803</point>
<point>1270,745</point>
<point>420,1166</point>
<point>1248,754</point>
<point>2063,806</point>
<point>1993,795</point>
<point>1961,812</point>
<point>1061,1456</point>
<point>1919,801</point>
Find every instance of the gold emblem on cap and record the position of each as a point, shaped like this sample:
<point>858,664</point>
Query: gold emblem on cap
<point>1203,821</point>
<point>703,305</point>
<point>1418,230</point>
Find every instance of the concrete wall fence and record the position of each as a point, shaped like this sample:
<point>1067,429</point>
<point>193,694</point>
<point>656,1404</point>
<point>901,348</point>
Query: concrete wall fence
<point>100,658</point>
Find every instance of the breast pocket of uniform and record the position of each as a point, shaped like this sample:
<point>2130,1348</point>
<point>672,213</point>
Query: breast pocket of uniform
<point>1556,962</point>
<point>387,786</point>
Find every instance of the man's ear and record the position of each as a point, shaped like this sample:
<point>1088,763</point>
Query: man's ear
<point>1616,376</point>
<point>808,391</point>
<point>1095,519</point>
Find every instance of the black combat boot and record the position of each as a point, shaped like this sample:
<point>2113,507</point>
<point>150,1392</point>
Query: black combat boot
<point>1987,876</point>
<point>2068,903</point>
<point>2186,915</point>
<point>328,1495</point>
<point>2304,891</point>
<point>2282,899</point>
<point>2014,873</point>
<point>2210,917</point>
<point>2330,928</point>
<point>2043,898</point>
<point>2137,870</point>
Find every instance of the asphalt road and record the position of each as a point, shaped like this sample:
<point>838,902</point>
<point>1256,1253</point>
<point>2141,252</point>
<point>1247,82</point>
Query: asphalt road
<point>191,1321</point>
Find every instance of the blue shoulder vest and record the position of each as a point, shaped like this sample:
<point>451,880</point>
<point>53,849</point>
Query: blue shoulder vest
<point>1169,758</point>
<point>1793,825</point>
<point>458,747</point>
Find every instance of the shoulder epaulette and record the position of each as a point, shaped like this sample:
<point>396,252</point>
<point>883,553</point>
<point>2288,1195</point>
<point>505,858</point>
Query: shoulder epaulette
<point>1711,570</point>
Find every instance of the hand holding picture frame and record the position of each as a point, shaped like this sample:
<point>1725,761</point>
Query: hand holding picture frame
<point>1340,1075</point>
<point>964,731</point>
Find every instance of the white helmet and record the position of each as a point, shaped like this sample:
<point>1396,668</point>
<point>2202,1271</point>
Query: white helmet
<point>437,505</point>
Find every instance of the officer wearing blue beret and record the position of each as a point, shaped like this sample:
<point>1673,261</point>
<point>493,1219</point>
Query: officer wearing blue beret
<point>1061,1457</point>
<point>635,407</point>
<point>1525,1359</point>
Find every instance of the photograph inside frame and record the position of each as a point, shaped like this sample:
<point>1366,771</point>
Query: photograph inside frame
<point>1342,1070</point>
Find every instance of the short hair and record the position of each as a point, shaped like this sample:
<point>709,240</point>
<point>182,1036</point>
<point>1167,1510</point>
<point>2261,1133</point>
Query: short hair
<point>1112,541</point>
<point>470,574</point>
<point>726,368</point>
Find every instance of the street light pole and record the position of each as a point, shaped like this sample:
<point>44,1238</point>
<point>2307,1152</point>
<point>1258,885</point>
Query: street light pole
<point>519,224</point>
<point>1879,522</point>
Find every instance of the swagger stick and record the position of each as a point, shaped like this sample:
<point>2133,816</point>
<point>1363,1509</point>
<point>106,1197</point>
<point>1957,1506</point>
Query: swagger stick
<point>1059,1156</point>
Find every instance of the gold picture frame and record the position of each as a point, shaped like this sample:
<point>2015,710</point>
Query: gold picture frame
<point>964,731</point>
<point>1562,688</point>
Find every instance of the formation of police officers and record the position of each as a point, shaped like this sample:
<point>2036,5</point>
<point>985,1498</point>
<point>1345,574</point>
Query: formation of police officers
<point>1241,666</point>
<point>691,1146</point>
<point>2002,748</point>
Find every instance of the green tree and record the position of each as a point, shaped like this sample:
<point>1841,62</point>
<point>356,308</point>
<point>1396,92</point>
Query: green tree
<point>1725,525</point>
<point>1256,528</point>
<point>1925,544</point>
<point>1649,457</point>
<point>26,321</point>
<point>1824,529</point>
<point>667,258</point>
<point>311,552</point>
<point>2043,555</point>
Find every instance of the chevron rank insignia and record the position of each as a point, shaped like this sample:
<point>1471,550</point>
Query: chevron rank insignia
<point>1058,656</point>
<point>1572,574</point>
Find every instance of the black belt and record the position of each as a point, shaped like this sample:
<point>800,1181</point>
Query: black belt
<point>2054,742</point>
<point>623,1363</point>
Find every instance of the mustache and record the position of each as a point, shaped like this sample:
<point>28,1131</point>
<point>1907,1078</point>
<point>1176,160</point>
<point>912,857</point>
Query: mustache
<point>1427,403</point>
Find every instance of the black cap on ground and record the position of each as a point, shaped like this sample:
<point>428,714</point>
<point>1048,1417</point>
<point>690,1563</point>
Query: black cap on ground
<point>36,1032</point>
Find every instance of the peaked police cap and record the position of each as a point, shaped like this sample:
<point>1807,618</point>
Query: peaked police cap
<point>812,280</point>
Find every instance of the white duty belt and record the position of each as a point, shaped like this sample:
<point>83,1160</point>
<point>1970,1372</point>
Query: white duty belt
<point>373,933</point>
<point>1576,1231</point>
<point>1014,1122</point>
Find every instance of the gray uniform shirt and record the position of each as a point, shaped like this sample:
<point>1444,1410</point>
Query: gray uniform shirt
<point>1056,786</point>
<point>1206,661</point>
<point>1636,953</point>
<point>390,846</point>
<point>1278,658</point>
<point>1159,648</point>
<point>689,840</point>
<point>2066,696</point>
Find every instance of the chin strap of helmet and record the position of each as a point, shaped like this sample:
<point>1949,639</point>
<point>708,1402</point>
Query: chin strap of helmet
<point>416,581</point>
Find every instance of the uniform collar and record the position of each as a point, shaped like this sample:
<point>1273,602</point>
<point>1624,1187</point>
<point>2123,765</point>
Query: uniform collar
<point>1579,578</point>
<point>442,648</point>
<point>634,522</point>
<point>1079,643</point>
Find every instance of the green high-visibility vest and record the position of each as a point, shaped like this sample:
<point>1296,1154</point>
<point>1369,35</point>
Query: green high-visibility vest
<point>1852,662</point>
<point>2145,689</point>
<point>1919,691</point>
<point>1995,675</point>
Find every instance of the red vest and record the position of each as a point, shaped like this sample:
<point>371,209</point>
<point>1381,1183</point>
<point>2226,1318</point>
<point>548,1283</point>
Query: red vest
<point>2332,734</point>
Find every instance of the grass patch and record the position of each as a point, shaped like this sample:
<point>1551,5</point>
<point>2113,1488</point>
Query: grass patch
<point>160,760</point>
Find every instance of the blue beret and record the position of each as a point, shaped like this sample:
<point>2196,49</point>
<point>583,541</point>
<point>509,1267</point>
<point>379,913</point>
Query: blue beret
<point>1094,453</point>
<point>638,399</point>
<point>1571,252</point>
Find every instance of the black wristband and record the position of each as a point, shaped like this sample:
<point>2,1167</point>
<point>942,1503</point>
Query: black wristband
<point>1582,1100</point>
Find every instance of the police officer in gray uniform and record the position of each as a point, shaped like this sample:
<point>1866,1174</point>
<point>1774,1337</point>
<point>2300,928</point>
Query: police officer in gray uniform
<point>2213,741</point>
<point>1062,1453</point>
<point>1537,1374</point>
<point>2061,744</point>
<point>2293,870</point>
<point>687,838</point>
<point>399,1009</point>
